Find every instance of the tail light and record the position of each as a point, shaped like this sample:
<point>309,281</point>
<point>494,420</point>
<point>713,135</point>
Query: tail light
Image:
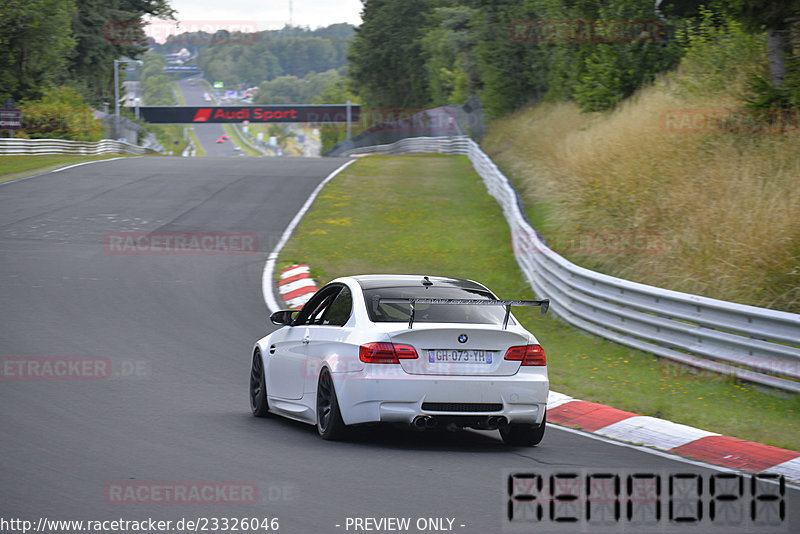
<point>382,352</point>
<point>527,354</point>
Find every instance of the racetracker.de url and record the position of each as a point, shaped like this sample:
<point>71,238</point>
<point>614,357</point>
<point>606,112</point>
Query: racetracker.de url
<point>195,524</point>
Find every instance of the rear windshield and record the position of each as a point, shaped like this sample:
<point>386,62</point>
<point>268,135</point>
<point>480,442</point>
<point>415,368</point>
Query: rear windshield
<point>385,312</point>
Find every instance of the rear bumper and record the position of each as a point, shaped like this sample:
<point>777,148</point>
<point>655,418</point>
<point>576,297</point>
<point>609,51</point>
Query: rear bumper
<point>366,397</point>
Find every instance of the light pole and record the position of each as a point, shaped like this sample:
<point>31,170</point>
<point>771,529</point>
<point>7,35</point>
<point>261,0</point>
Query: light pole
<point>116,91</point>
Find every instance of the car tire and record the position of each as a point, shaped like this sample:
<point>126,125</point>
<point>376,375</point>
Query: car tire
<point>329,418</point>
<point>524,434</point>
<point>259,403</point>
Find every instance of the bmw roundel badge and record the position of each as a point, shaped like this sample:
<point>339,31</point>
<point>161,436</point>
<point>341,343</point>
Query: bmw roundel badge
<point>462,338</point>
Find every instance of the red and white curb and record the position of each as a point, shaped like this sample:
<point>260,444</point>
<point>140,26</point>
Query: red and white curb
<point>269,267</point>
<point>296,286</point>
<point>674,438</point>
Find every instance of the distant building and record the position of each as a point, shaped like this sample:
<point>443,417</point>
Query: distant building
<point>179,57</point>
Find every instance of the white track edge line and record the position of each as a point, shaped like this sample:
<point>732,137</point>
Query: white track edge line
<point>95,161</point>
<point>68,167</point>
<point>269,267</point>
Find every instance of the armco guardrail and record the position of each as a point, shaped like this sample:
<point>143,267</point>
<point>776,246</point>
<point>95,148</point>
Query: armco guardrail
<point>444,121</point>
<point>14,146</point>
<point>754,344</point>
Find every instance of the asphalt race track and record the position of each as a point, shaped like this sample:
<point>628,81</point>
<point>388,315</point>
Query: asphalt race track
<point>176,330</point>
<point>207,134</point>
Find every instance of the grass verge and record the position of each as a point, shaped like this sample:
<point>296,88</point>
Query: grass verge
<point>198,148</point>
<point>431,215</point>
<point>178,93</point>
<point>233,133</point>
<point>16,167</point>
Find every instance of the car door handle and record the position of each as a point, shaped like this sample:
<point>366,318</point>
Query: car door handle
<point>306,340</point>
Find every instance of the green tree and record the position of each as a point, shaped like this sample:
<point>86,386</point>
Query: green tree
<point>517,64</point>
<point>105,30</point>
<point>44,43</point>
<point>337,91</point>
<point>386,56</point>
<point>513,71</point>
<point>293,90</point>
<point>266,55</point>
<point>35,38</point>
<point>779,22</point>
<point>776,17</point>
<point>156,90</point>
<point>156,87</point>
<point>718,51</point>
<point>450,61</point>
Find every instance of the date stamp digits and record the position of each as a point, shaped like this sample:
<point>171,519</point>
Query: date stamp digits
<point>619,500</point>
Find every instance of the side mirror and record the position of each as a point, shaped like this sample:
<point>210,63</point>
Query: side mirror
<point>283,317</point>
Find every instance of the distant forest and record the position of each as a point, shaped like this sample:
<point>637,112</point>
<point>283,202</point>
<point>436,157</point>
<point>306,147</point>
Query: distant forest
<point>250,59</point>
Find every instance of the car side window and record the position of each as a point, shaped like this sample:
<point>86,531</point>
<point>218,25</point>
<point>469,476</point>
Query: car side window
<point>318,314</point>
<point>313,309</point>
<point>338,313</point>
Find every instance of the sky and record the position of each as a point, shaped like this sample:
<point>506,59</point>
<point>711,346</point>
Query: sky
<point>255,15</point>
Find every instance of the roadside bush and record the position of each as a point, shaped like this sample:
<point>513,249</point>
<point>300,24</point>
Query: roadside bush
<point>60,114</point>
<point>720,56</point>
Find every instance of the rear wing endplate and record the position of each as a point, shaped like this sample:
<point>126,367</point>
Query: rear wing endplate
<point>411,301</point>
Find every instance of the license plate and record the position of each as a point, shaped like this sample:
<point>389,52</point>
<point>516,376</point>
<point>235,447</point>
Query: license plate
<point>459,356</point>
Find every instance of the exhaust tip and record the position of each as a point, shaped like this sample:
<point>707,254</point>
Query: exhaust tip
<point>421,422</point>
<point>495,422</point>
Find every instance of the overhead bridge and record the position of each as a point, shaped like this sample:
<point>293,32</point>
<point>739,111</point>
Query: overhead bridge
<point>319,114</point>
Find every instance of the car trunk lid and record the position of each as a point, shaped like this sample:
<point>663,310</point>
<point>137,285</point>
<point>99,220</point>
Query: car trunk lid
<point>459,350</point>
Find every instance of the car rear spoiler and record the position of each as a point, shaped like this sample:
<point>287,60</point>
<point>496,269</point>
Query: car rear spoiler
<point>544,304</point>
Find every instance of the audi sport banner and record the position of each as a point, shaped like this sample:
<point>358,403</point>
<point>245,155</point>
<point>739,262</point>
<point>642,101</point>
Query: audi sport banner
<point>200,114</point>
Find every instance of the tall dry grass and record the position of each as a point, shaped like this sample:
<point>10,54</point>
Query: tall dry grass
<point>726,205</point>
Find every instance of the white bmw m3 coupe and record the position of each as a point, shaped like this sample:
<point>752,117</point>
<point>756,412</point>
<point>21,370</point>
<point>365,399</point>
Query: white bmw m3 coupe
<point>421,350</point>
